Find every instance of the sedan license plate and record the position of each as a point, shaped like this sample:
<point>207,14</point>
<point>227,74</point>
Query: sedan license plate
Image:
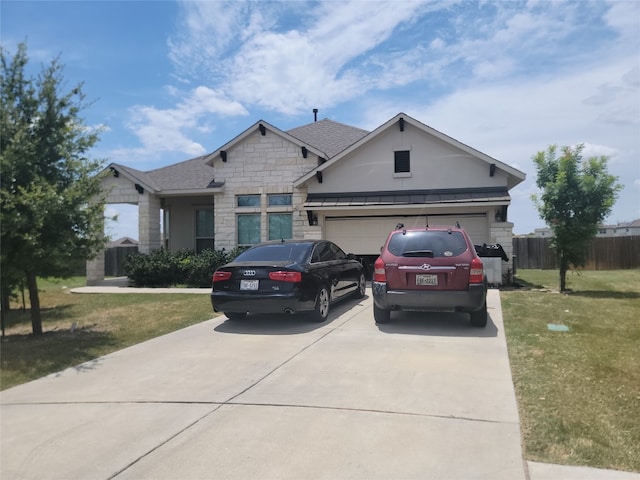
<point>249,284</point>
<point>426,280</point>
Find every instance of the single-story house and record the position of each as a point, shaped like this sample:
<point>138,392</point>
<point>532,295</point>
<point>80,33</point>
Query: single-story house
<point>321,180</point>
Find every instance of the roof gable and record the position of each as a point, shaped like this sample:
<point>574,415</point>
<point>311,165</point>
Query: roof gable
<point>261,126</point>
<point>398,122</point>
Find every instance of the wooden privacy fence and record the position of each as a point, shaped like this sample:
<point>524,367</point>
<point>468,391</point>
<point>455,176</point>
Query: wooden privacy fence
<point>605,253</point>
<point>115,258</point>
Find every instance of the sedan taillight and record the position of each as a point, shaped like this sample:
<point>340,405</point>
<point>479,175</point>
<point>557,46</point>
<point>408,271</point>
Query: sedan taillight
<point>221,276</point>
<point>379,273</point>
<point>476,273</point>
<point>284,276</point>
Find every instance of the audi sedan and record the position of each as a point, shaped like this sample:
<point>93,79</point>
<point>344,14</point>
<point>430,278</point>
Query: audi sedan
<point>287,276</point>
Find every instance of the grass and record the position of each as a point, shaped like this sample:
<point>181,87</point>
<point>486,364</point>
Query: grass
<point>578,391</point>
<point>104,323</point>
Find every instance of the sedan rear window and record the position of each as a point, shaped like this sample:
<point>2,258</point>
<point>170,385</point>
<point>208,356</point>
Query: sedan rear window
<point>427,244</point>
<point>293,252</point>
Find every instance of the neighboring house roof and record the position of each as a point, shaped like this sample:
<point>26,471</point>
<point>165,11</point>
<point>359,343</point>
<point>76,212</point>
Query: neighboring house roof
<point>632,224</point>
<point>329,136</point>
<point>514,176</point>
<point>122,242</point>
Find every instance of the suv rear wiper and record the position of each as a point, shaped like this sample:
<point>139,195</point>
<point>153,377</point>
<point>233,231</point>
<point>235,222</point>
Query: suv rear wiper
<point>418,253</point>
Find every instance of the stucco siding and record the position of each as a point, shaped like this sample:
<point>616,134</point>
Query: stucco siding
<point>435,164</point>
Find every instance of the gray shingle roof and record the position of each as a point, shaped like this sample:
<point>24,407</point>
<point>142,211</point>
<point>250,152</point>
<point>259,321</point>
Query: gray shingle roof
<point>188,175</point>
<point>328,136</point>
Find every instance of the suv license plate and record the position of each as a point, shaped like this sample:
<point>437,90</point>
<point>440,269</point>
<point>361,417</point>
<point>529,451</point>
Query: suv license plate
<point>426,280</point>
<point>249,284</point>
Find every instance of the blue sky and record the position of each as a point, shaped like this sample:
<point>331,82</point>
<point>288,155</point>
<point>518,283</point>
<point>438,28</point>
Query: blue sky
<point>172,80</point>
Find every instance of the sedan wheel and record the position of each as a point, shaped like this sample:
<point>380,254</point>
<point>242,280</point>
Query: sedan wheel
<point>322,305</point>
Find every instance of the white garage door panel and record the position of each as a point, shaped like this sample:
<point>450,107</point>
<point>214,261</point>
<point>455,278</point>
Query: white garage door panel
<point>365,235</point>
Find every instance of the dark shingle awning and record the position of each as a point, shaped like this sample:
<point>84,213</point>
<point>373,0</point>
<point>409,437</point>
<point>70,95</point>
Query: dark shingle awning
<point>408,197</point>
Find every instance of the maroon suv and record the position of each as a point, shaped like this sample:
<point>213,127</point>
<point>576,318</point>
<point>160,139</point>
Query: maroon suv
<point>433,268</point>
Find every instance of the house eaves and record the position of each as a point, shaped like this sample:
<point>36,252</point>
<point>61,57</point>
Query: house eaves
<point>262,127</point>
<point>514,176</point>
<point>190,177</point>
<point>136,177</point>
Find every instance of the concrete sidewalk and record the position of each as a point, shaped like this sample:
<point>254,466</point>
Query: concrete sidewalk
<point>283,398</point>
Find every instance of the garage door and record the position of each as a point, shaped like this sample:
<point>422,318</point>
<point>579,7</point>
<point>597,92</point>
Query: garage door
<point>365,235</point>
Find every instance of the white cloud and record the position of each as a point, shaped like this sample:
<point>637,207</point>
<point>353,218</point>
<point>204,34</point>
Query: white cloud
<point>168,129</point>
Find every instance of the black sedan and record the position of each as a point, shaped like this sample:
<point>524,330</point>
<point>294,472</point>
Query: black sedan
<point>287,276</point>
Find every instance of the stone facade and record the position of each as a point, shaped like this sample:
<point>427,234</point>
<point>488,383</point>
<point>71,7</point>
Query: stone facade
<point>261,165</point>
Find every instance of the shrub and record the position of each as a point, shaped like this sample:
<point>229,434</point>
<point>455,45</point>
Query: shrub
<point>156,269</point>
<point>162,268</point>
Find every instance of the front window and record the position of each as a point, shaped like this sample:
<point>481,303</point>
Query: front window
<point>280,226</point>
<point>279,200</point>
<point>248,200</point>
<point>401,161</point>
<point>248,229</point>
<point>204,229</point>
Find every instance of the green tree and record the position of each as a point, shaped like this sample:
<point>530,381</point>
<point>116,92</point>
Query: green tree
<point>576,197</point>
<point>51,202</point>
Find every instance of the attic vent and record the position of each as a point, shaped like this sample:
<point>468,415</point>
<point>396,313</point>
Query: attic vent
<point>401,122</point>
<point>263,129</point>
<point>304,152</point>
<point>223,155</point>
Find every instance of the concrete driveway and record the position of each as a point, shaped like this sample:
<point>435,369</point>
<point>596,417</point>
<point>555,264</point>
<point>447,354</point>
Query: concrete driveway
<point>424,397</point>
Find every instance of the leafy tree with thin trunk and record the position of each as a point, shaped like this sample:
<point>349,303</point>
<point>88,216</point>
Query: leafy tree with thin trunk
<point>576,197</point>
<point>52,205</point>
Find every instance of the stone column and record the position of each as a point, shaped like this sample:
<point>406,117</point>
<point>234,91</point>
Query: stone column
<point>148,223</point>
<point>95,269</point>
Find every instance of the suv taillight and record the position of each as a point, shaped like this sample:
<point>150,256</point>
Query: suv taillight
<point>476,274</point>
<point>379,273</point>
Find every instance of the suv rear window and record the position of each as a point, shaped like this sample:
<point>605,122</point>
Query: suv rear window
<point>427,243</point>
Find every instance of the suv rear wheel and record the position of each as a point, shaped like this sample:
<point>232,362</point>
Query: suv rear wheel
<point>381,315</point>
<point>479,317</point>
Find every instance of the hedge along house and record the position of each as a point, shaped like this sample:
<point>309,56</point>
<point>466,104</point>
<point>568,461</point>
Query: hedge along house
<point>322,180</point>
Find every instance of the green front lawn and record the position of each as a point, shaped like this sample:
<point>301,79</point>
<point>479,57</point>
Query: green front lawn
<point>578,390</point>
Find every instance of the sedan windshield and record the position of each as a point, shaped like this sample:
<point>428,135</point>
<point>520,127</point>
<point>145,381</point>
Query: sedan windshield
<point>427,244</point>
<point>277,252</point>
